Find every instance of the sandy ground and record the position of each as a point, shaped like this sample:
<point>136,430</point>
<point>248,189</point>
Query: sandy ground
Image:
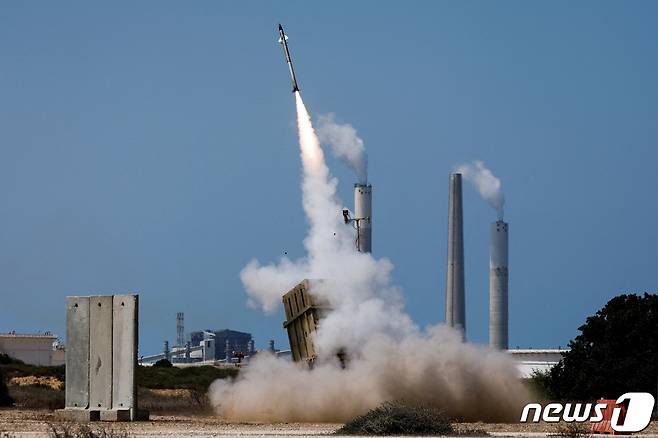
<point>24,423</point>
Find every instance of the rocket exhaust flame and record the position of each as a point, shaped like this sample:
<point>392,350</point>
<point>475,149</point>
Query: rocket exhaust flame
<point>390,357</point>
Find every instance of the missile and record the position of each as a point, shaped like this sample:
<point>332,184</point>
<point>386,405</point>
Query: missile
<point>283,40</point>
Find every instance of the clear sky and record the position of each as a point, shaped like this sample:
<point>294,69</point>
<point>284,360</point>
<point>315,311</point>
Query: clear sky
<point>150,147</point>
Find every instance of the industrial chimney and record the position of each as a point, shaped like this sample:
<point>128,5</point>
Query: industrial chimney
<point>455,296</point>
<point>498,282</point>
<point>363,216</point>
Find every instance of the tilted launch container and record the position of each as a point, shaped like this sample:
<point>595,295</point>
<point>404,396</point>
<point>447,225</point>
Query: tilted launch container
<point>303,314</point>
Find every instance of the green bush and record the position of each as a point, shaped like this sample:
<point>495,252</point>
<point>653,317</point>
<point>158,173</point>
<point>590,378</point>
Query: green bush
<point>5,399</point>
<point>394,418</point>
<point>163,363</point>
<point>197,378</point>
<point>539,385</point>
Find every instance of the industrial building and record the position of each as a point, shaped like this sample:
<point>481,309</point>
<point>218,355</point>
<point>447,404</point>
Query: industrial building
<point>529,360</point>
<point>236,342</point>
<point>35,349</point>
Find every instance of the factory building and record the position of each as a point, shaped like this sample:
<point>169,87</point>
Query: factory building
<point>35,349</point>
<point>238,342</point>
<point>455,295</point>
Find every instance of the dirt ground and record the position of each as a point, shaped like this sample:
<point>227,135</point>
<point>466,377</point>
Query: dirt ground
<point>33,423</point>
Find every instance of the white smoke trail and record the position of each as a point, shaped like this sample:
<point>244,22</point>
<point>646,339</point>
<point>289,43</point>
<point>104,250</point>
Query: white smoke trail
<point>485,183</point>
<point>345,144</point>
<point>389,357</point>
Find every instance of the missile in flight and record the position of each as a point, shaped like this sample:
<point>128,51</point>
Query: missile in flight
<point>283,40</point>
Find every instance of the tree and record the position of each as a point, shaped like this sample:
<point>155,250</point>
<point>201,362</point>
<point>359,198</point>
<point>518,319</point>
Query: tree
<point>616,352</point>
<point>163,363</point>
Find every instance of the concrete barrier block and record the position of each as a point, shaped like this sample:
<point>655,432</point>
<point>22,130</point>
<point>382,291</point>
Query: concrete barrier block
<point>100,352</point>
<point>115,415</point>
<point>77,352</point>
<point>78,415</point>
<point>124,357</point>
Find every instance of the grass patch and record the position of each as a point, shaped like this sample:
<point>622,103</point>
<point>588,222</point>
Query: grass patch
<point>11,368</point>
<point>42,387</point>
<point>174,401</point>
<point>394,418</point>
<point>195,378</point>
<point>76,430</point>
<point>36,397</point>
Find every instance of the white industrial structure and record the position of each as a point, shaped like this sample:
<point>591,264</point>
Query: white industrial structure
<point>455,295</point>
<point>498,287</point>
<point>363,216</point>
<point>528,361</point>
<point>34,349</point>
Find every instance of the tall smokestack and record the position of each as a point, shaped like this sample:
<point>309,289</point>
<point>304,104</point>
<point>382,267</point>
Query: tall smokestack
<point>498,282</point>
<point>455,295</point>
<point>363,215</point>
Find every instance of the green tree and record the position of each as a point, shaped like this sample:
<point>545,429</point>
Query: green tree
<point>616,352</point>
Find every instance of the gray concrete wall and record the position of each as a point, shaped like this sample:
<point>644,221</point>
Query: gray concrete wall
<point>101,362</point>
<point>77,353</point>
<point>124,351</point>
<point>100,352</point>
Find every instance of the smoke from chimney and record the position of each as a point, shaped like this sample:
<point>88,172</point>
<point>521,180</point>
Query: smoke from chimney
<point>345,144</point>
<point>485,183</point>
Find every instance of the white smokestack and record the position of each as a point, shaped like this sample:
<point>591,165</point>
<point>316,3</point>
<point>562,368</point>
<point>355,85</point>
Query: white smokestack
<point>498,283</point>
<point>485,182</point>
<point>363,212</point>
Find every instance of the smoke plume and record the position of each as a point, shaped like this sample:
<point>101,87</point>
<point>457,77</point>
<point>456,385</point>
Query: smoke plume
<point>485,182</point>
<point>390,358</point>
<point>345,144</point>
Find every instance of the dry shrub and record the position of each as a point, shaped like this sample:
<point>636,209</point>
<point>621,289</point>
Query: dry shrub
<point>49,381</point>
<point>394,418</point>
<point>572,430</point>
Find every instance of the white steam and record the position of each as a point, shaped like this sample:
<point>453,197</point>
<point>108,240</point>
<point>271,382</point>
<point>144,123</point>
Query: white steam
<point>345,144</point>
<point>485,182</point>
<point>389,356</point>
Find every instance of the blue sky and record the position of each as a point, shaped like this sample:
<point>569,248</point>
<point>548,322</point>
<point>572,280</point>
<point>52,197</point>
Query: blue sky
<point>150,147</point>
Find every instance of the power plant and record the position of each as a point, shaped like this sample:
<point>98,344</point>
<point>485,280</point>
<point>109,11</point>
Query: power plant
<point>455,295</point>
<point>498,281</point>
